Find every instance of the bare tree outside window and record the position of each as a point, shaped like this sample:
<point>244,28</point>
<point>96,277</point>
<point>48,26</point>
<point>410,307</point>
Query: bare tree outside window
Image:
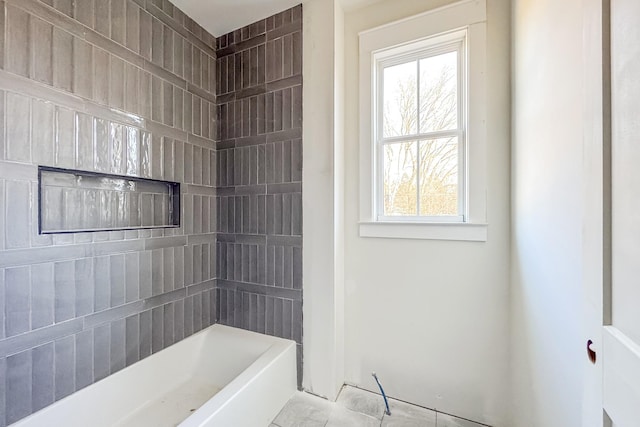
<point>420,103</point>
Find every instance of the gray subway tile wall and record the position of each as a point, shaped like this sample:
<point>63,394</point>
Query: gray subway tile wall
<point>117,86</point>
<point>129,87</point>
<point>259,177</point>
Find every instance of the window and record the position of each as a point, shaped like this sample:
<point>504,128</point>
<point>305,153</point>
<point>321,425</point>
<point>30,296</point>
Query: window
<point>422,172</point>
<point>420,131</point>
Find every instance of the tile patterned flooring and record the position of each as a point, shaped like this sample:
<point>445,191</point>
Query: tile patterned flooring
<point>360,408</point>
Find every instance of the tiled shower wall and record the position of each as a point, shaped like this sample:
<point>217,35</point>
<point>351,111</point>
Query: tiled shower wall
<point>117,86</point>
<point>259,167</point>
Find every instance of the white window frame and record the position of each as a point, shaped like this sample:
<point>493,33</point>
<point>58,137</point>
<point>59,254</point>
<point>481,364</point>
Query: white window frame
<point>414,36</point>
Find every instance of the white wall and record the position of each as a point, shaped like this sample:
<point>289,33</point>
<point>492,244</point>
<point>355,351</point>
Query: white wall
<point>431,317</point>
<point>322,201</point>
<point>547,219</point>
<point>338,188</point>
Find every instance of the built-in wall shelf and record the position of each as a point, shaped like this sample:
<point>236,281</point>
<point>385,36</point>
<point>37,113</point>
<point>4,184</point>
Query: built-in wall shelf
<point>74,201</point>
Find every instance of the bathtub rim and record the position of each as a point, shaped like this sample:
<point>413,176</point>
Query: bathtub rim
<point>276,349</point>
<point>271,356</point>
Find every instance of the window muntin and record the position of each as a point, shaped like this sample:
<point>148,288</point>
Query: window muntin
<point>420,132</point>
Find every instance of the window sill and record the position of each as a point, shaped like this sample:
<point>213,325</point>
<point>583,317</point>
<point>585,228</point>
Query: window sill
<point>460,231</point>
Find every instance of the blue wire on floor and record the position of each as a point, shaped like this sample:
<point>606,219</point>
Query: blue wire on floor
<point>384,396</point>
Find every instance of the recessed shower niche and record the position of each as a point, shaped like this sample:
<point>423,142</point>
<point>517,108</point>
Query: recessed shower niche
<point>72,201</point>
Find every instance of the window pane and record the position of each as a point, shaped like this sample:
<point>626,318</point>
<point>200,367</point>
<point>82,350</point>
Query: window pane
<point>439,177</point>
<point>400,114</point>
<point>400,179</point>
<point>439,93</point>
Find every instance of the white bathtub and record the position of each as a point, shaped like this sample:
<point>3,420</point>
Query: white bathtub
<point>221,376</point>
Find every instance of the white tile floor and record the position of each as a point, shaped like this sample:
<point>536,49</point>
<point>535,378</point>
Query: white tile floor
<point>360,408</point>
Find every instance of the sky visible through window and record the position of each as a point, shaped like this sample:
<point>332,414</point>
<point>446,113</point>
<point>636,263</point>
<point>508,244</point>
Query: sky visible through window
<point>420,175</point>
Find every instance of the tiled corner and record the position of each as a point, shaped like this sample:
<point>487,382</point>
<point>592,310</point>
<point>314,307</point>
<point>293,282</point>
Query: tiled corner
<point>259,112</point>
